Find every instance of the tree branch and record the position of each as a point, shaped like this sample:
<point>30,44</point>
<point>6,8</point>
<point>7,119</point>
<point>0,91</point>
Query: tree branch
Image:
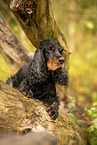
<point>37,21</point>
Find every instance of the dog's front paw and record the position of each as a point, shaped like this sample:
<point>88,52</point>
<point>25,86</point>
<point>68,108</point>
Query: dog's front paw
<point>53,111</point>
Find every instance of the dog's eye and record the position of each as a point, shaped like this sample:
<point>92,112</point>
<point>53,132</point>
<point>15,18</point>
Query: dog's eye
<point>51,48</point>
<point>60,50</point>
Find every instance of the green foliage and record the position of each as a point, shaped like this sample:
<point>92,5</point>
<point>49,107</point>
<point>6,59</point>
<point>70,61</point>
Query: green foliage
<point>71,105</point>
<point>93,128</point>
<point>92,114</point>
<point>93,141</point>
<point>73,118</point>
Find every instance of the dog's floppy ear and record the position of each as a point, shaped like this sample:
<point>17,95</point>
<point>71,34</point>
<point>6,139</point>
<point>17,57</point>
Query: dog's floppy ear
<point>40,66</point>
<point>39,56</point>
<point>61,77</point>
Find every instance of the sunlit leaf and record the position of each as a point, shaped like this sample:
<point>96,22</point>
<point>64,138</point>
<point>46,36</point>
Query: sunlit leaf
<point>90,129</point>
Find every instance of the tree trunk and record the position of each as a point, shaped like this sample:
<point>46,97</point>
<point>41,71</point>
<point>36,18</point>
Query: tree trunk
<point>11,49</point>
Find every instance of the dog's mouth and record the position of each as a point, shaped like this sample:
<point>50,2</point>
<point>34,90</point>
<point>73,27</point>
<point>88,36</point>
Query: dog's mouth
<point>55,64</point>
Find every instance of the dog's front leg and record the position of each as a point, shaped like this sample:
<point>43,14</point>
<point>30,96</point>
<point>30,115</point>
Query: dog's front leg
<point>52,104</point>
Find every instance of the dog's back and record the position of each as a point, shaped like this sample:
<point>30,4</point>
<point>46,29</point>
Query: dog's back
<point>15,80</point>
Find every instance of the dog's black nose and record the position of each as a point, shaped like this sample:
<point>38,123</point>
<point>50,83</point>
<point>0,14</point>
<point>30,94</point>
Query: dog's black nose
<point>61,60</point>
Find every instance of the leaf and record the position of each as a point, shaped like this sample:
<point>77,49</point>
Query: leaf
<point>73,118</point>
<point>90,129</point>
<point>71,105</point>
<point>93,141</point>
<point>95,132</point>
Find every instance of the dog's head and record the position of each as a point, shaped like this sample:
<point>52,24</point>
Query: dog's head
<point>53,54</point>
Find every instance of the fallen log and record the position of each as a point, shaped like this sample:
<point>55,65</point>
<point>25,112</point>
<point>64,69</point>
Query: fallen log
<point>19,114</point>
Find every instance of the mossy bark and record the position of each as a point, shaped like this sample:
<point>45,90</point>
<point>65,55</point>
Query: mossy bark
<point>18,113</point>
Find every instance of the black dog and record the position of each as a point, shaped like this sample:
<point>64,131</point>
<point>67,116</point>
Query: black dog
<point>37,79</point>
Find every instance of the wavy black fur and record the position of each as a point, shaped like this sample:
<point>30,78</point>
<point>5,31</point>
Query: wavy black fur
<point>35,80</point>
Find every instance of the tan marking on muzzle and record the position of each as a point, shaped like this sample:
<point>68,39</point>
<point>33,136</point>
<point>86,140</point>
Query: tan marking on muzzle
<point>54,65</point>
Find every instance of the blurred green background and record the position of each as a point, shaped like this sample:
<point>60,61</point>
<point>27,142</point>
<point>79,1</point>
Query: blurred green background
<point>77,19</point>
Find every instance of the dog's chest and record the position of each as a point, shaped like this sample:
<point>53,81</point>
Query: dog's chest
<point>43,88</point>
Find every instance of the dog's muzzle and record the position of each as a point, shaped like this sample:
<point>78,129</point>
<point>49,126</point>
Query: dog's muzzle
<point>55,64</point>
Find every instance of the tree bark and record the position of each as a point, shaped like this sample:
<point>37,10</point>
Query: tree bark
<point>20,114</point>
<point>37,21</point>
<point>11,49</point>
